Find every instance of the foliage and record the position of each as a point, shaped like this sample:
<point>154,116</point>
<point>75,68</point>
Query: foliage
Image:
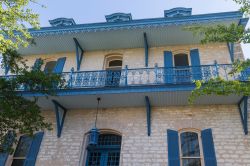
<point>22,115</point>
<point>221,33</point>
<point>225,34</point>
<point>19,114</point>
<point>245,5</point>
<point>14,17</point>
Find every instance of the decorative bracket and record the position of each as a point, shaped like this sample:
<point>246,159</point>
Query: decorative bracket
<point>148,108</point>
<point>243,109</point>
<point>146,48</point>
<point>79,56</point>
<point>60,116</point>
<point>231,50</point>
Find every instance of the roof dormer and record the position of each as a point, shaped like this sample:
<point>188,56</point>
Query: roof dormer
<point>62,22</point>
<point>118,17</point>
<point>178,12</point>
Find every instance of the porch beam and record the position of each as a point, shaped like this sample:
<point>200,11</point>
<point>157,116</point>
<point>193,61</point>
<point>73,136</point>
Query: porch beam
<point>60,112</point>
<point>146,48</point>
<point>243,109</point>
<point>79,54</point>
<point>148,109</point>
<point>230,47</point>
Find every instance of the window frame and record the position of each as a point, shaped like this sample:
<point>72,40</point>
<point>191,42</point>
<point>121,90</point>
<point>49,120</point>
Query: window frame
<point>198,132</point>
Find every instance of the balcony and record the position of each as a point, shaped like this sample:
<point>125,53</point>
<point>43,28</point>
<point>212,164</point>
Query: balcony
<point>149,76</point>
<point>128,87</point>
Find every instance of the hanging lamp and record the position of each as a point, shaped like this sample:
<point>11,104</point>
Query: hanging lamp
<point>94,132</point>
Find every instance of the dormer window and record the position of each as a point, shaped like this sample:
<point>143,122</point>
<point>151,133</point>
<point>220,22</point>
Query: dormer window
<point>118,17</point>
<point>178,12</point>
<point>62,22</point>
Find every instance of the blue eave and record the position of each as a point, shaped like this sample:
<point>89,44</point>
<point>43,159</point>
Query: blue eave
<point>107,26</point>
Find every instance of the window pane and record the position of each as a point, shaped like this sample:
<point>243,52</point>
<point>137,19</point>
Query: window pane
<point>18,162</point>
<point>94,159</point>
<point>115,63</point>
<point>190,144</point>
<point>113,158</point>
<point>23,146</point>
<point>109,139</point>
<point>191,162</point>
<point>181,60</point>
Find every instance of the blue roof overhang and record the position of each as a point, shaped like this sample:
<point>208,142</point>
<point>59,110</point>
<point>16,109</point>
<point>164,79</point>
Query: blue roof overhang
<point>126,34</point>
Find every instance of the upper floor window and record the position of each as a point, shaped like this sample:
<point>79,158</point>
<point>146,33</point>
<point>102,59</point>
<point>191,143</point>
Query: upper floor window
<point>181,60</point>
<point>190,150</point>
<point>113,66</point>
<point>106,152</point>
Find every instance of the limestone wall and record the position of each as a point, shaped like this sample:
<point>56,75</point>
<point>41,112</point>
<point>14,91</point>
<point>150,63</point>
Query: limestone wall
<point>231,145</point>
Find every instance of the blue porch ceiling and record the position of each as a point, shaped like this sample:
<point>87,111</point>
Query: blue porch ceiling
<point>120,35</point>
<point>157,99</point>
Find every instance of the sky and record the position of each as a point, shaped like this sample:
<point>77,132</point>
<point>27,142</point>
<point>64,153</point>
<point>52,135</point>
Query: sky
<point>91,11</point>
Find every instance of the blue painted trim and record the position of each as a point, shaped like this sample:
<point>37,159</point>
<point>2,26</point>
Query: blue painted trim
<point>117,90</point>
<point>244,119</point>
<point>231,50</point>
<point>146,48</point>
<point>59,122</point>
<point>243,22</point>
<point>79,56</point>
<point>142,23</point>
<point>148,108</point>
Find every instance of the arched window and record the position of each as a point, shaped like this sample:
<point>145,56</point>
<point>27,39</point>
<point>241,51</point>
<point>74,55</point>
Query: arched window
<point>190,148</point>
<point>113,65</point>
<point>106,152</point>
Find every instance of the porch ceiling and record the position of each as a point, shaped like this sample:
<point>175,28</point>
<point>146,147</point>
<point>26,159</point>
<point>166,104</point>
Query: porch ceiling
<point>136,99</point>
<point>105,36</point>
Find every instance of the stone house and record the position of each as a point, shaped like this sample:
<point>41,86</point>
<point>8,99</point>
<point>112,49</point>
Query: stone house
<point>132,78</point>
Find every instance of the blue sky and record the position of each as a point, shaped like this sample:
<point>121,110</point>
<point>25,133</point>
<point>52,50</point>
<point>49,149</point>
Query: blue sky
<point>90,11</point>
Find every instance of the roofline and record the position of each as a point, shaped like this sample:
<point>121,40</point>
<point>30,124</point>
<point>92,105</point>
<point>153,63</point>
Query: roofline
<point>140,23</point>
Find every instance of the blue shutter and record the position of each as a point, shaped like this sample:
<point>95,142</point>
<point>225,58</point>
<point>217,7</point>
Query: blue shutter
<point>36,64</point>
<point>208,148</point>
<point>168,64</point>
<point>6,69</point>
<point>34,149</point>
<point>59,65</point>
<point>195,62</point>
<point>173,148</point>
<point>8,143</point>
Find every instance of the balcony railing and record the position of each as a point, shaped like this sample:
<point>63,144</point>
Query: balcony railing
<point>149,76</point>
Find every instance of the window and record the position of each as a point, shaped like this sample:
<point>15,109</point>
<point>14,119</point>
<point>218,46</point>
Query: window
<point>190,149</point>
<point>106,153</point>
<point>182,72</point>
<point>22,150</point>
<point>181,60</point>
<point>113,67</point>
